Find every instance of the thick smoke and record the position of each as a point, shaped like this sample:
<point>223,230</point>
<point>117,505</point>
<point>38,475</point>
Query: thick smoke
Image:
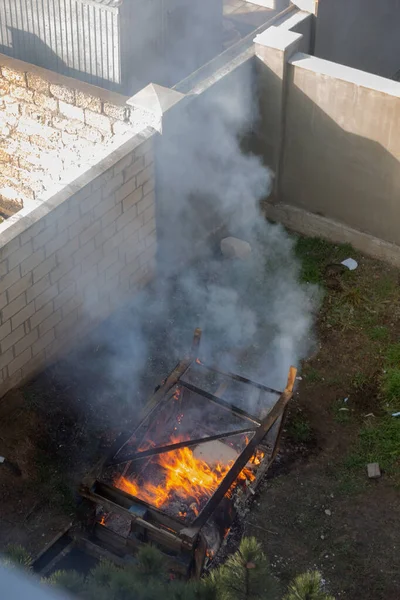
<point>255,315</point>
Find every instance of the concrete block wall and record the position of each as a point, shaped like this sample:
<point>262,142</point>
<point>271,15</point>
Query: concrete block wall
<point>51,127</point>
<point>342,146</point>
<point>363,34</point>
<point>73,261</point>
<point>331,133</point>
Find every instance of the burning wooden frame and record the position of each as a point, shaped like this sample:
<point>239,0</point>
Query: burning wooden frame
<point>180,479</point>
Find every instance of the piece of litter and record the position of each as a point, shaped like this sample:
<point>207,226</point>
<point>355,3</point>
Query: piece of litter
<point>373,470</point>
<point>343,409</point>
<point>2,459</point>
<point>322,537</point>
<point>350,263</point>
<point>328,512</point>
<point>299,378</point>
<point>396,414</point>
<point>346,400</point>
<point>369,415</point>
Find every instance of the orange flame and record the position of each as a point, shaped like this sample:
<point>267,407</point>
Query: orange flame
<point>185,477</point>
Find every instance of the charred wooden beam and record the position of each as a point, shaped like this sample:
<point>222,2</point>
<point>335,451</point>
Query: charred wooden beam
<point>196,343</point>
<point>244,457</point>
<point>154,402</point>
<point>161,536</point>
<point>186,444</point>
<point>95,473</point>
<point>126,500</point>
<point>226,405</point>
<point>240,378</point>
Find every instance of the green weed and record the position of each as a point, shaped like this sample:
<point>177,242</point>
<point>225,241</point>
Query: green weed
<point>392,356</point>
<point>313,375</point>
<point>384,288</point>
<point>341,413</point>
<point>55,487</point>
<point>299,430</point>
<point>378,333</point>
<point>391,386</point>
<point>315,253</point>
<point>380,443</point>
<point>359,381</point>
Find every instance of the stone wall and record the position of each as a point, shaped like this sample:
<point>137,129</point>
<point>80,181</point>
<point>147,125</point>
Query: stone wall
<point>51,129</point>
<point>71,262</point>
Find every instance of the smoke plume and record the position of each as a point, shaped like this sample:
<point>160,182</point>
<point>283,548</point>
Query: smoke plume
<point>255,315</point>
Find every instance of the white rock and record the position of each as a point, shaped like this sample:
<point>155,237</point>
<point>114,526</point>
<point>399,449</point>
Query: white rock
<point>328,512</point>
<point>234,248</point>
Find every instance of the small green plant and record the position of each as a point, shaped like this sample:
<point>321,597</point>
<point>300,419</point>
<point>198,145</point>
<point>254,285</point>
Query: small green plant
<point>309,586</point>
<point>353,297</point>
<point>384,288</point>
<point>341,412</point>
<point>68,580</point>
<point>245,575</point>
<point>392,356</point>
<point>312,375</point>
<point>378,333</point>
<point>359,381</point>
<point>16,555</point>
<point>299,430</point>
<point>391,387</point>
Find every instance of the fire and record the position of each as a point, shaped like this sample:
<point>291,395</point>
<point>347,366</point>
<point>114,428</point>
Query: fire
<point>186,477</point>
<point>257,457</point>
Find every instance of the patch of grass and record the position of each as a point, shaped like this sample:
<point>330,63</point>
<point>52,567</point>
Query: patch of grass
<point>341,413</point>
<point>55,488</point>
<point>353,297</point>
<point>378,333</point>
<point>384,288</point>
<point>347,484</point>
<point>299,430</point>
<point>391,387</point>
<point>392,356</point>
<point>378,442</point>
<point>334,380</point>
<point>312,375</point>
<point>359,381</point>
<point>341,316</point>
<point>315,253</point>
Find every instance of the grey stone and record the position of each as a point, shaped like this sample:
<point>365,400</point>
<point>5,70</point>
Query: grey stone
<point>374,471</point>
<point>234,248</point>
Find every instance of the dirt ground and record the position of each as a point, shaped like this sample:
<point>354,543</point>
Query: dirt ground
<point>316,509</point>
